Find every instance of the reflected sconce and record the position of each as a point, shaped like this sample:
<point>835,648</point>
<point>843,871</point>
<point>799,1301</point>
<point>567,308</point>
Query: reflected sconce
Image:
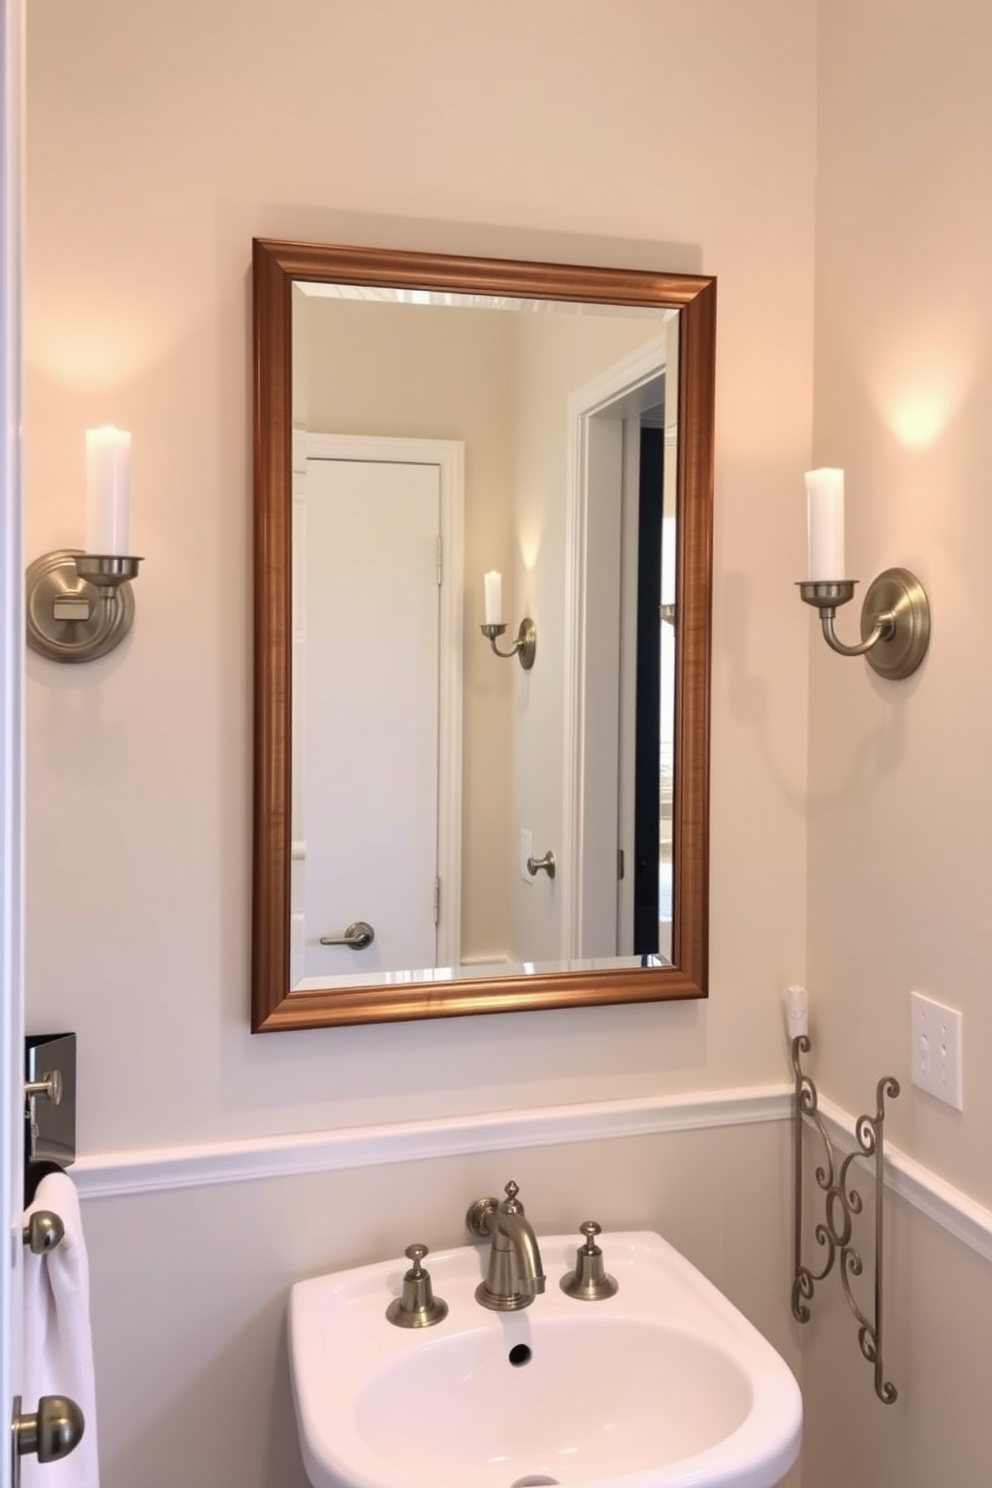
<point>80,604</point>
<point>895,615</point>
<point>525,646</point>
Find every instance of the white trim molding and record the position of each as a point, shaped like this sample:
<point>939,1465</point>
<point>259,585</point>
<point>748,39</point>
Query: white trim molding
<point>144,1171</point>
<point>112,1174</point>
<point>949,1207</point>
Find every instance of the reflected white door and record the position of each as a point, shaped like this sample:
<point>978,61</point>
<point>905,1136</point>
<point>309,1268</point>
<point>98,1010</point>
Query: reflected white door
<point>370,656</point>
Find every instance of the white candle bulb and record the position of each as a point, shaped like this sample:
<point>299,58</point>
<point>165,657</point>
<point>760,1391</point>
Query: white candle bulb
<point>493,582</point>
<point>108,469</point>
<point>825,516</point>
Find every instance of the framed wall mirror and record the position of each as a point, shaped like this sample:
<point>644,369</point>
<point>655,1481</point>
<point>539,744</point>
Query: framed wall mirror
<point>483,497</point>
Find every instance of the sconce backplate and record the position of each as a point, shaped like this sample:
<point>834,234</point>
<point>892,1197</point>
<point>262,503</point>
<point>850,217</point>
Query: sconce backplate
<point>897,592</point>
<point>69,619</point>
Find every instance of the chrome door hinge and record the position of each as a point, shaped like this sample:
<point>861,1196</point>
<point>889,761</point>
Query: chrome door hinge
<point>620,864</point>
<point>437,901</point>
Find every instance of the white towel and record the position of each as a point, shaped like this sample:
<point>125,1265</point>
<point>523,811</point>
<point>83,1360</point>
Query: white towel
<point>58,1347</point>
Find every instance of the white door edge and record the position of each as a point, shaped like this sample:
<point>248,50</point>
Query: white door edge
<point>11,709</point>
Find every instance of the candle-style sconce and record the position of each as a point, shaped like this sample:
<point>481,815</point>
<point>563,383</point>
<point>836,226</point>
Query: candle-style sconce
<point>525,646</point>
<point>79,603</point>
<point>895,615</point>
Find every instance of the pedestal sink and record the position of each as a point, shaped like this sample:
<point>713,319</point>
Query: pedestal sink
<point>664,1385</point>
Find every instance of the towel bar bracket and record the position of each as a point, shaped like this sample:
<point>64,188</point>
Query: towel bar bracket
<point>50,1084</point>
<point>50,1102</point>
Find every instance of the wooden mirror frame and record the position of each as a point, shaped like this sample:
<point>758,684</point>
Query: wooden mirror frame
<point>275,266</point>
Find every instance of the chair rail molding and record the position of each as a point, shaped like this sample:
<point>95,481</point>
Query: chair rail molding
<point>149,1170</point>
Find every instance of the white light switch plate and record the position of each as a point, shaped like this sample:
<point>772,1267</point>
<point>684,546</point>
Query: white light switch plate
<point>936,1049</point>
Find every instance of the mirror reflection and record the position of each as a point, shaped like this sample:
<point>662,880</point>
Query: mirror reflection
<point>438,435</point>
<point>483,499</point>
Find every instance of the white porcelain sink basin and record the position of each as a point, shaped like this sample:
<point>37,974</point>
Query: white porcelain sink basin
<point>664,1385</point>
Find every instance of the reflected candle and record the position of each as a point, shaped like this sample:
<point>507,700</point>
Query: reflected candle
<point>493,582</point>
<point>825,518</point>
<point>108,470</point>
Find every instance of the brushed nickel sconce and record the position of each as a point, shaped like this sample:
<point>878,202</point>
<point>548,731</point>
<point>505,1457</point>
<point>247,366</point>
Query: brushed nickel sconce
<point>525,646</point>
<point>79,603</point>
<point>895,615</point>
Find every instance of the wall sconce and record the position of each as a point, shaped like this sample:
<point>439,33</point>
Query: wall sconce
<point>80,604</point>
<point>895,615</point>
<point>525,646</point>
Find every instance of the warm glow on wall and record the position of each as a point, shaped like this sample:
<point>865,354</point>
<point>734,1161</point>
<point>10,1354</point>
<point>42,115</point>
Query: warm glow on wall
<point>530,530</point>
<point>920,388</point>
<point>918,419</point>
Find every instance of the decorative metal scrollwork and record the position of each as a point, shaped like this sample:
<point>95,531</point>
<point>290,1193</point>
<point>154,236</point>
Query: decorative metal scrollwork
<point>841,1203</point>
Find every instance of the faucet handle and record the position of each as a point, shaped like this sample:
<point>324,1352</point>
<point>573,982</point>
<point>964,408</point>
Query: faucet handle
<point>589,1281</point>
<point>417,1307</point>
<point>510,1204</point>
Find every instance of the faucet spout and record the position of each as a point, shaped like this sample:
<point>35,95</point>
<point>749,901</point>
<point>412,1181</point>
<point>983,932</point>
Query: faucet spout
<point>515,1275</point>
<point>514,1235</point>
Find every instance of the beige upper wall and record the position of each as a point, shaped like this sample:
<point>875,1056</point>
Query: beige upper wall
<point>901,786</point>
<point>161,138</point>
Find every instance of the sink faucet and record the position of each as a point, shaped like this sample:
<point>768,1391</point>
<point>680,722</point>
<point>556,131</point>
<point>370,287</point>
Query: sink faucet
<point>515,1275</point>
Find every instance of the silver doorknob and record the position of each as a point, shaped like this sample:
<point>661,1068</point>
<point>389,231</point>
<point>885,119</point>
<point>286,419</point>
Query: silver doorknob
<point>53,1431</point>
<point>357,936</point>
<point>43,1231</point>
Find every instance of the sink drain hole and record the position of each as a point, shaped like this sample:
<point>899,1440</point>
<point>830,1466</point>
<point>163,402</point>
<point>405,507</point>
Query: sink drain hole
<point>538,1480</point>
<point>518,1356</point>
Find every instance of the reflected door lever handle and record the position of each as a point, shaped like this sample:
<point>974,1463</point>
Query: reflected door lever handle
<point>356,937</point>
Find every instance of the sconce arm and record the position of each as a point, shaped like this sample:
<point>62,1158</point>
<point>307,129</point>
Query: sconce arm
<point>524,647</point>
<point>881,631</point>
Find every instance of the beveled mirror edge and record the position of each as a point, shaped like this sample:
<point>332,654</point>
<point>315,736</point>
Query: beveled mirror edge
<point>275,264</point>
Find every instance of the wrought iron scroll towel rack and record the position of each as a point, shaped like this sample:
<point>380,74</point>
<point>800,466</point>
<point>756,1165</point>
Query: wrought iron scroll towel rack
<point>841,1203</point>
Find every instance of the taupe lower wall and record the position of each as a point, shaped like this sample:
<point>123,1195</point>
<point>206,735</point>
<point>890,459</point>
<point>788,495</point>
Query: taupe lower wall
<point>936,1336</point>
<point>190,1285</point>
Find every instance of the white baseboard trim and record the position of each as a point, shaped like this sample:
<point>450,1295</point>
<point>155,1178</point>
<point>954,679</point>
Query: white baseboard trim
<point>112,1174</point>
<point>145,1171</point>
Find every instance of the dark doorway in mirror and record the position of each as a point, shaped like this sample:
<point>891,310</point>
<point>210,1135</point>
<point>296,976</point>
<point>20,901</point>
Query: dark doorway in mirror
<point>650,739</point>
